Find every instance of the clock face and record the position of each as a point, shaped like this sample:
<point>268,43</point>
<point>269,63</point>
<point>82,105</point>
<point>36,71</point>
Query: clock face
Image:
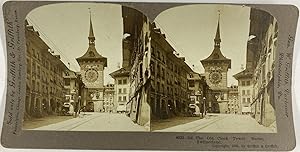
<point>215,77</point>
<point>91,75</point>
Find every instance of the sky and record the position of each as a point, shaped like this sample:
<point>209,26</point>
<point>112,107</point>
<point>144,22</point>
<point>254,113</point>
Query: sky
<point>65,28</point>
<point>191,30</point>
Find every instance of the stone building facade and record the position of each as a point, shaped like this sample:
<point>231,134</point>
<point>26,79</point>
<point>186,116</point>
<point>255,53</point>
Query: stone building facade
<point>197,86</point>
<point>169,84</point>
<point>44,83</point>
<point>72,88</point>
<point>109,101</point>
<point>265,29</point>
<point>233,100</point>
<point>121,87</point>
<point>245,89</point>
<point>137,28</point>
<point>259,73</point>
<point>201,94</point>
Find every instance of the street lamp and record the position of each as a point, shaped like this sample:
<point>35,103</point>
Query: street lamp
<point>70,83</point>
<point>79,104</point>
<point>204,104</point>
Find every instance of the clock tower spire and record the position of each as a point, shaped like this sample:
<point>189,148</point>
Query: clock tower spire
<point>91,33</point>
<point>92,66</point>
<point>217,37</point>
<point>216,65</point>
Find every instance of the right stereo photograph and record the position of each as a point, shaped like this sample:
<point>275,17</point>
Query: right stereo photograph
<point>212,70</point>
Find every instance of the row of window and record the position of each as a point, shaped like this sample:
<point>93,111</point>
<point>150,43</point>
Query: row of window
<point>42,60</point>
<point>246,100</point>
<point>122,81</point>
<point>43,63</point>
<point>41,74</point>
<point>47,79</point>
<point>171,79</point>
<point>108,99</point>
<point>245,83</point>
<point>122,99</point>
<point>246,92</point>
<point>124,90</point>
<point>67,82</point>
<point>162,58</point>
<point>37,87</point>
<point>156,53</point>
<point>169,90</point>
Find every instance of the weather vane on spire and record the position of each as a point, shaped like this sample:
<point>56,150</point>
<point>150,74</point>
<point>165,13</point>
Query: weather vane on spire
<point>90,12</point>
<point>219,13</point>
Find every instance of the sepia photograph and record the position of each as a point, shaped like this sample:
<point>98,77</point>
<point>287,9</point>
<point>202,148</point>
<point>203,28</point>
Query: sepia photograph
<point>107,67</point>
<point>212,70</point>
<point>149,76</point>
<point>86,68</point>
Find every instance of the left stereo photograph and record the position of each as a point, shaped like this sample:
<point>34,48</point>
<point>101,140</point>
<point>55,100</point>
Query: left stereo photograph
<point>79,76</point>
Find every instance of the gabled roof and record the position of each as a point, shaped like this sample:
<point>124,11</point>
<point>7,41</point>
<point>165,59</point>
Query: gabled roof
<point>122,72</point>
<point>69,74</point>
<point>247,73</point>
<point>194,76</point>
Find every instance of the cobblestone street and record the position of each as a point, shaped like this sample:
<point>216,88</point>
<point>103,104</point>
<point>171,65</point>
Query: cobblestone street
<point>39,122</point>
<point>223,123</point>
<point>167,123</point>
<point>96,122</point>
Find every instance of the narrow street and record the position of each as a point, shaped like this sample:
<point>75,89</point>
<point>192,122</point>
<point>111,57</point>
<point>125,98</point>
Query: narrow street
<point>95,122</point>
<point>44,121</point>
<point>222,123</point>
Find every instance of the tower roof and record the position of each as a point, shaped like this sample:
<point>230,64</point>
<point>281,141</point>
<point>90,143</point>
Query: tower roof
<point>216,54</point>
<point>217,37</point>
<point>91,28</point>
<point>122,72</point>
<point>91,53</point>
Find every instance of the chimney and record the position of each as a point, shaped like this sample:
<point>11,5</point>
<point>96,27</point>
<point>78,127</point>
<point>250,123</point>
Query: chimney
<point>182,58</point>
<point>57,56</point>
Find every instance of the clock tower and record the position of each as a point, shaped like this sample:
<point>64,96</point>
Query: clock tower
<point>216,67</point>
<point>92,66</point>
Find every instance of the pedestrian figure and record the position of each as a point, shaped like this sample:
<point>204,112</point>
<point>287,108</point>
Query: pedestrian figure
<point>202,110</point>
<point>75,110</point>
<point>71,109</point>
<point>60,109</point>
